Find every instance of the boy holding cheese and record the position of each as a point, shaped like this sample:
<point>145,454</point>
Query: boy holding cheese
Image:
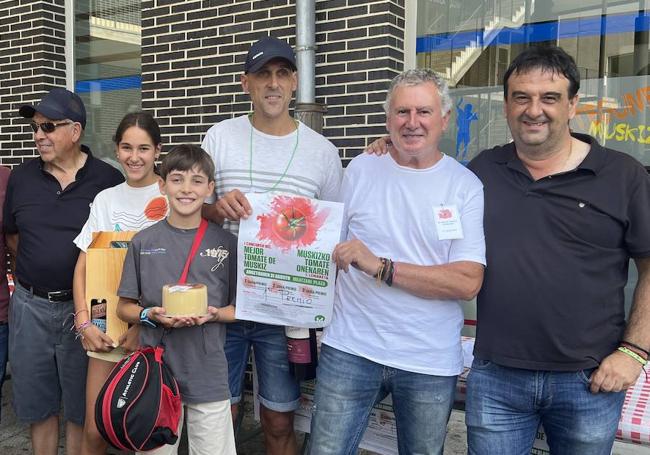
<point>187,297</point>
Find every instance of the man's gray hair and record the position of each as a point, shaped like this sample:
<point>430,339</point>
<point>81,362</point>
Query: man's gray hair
<point>421,76</point>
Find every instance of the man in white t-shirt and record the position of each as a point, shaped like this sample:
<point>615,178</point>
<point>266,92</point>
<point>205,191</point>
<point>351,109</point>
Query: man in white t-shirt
<point>267,151</point>
<point>413,247</point>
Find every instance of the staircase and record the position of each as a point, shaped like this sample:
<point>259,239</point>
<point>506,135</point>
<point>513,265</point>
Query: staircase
<point>454,63</point>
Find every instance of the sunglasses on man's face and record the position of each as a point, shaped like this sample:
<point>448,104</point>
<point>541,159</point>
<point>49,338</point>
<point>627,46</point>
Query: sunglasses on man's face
<point>47,127</point>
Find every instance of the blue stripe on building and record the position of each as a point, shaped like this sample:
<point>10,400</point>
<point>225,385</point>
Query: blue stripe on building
<point>542,31</point>
<point>110,84</point>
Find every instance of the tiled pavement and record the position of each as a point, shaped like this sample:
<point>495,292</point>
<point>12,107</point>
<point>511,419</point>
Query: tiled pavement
<point>14,436</point>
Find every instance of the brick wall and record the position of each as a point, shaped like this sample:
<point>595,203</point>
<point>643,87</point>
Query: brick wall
<point>193,53</point>
<point>32,60</point>
<point>192,57</point>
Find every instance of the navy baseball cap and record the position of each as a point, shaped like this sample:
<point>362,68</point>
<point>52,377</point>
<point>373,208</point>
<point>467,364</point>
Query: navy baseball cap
<point>265,50</point>
<point>58,104</point>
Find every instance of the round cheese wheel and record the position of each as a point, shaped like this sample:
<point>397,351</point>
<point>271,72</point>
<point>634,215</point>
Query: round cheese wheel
<point>185,299</point>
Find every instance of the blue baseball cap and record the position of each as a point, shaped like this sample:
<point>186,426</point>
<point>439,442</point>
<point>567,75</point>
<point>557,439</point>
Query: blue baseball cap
<point>265,50</point>
<point>58,104</point>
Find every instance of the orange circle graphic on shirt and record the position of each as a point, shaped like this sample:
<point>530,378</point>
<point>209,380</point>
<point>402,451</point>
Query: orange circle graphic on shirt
<point>156,209</point>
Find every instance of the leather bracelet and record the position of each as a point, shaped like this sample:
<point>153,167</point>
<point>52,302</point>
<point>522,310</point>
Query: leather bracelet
<point>638,349</point>
<point>391,274</point>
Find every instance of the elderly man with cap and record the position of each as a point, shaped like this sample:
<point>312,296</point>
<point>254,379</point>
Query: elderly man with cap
<point>48,200</point>
<point>265,151</point>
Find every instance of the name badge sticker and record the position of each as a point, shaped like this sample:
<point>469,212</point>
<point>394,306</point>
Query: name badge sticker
<point>448,223</point>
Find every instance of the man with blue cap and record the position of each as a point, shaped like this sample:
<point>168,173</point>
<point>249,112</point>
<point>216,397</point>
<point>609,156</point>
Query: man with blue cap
<point>267,150</point>
<point>48,200</point>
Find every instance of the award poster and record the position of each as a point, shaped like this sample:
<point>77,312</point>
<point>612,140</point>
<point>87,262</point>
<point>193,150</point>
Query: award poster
<point>285,273</point>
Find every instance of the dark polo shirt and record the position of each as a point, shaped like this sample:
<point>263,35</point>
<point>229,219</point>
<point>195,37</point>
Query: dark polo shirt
<point>47,218</point>
<point>557,252</point>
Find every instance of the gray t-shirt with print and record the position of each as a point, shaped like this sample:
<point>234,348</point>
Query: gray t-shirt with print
<point>156,257</point>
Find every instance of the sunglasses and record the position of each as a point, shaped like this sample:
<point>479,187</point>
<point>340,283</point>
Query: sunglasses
<point>47,127</point>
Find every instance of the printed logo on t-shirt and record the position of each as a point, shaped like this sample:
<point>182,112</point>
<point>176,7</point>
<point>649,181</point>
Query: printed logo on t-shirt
<point>148,252</point>
<point>219,253</point>
<point>155,210</point>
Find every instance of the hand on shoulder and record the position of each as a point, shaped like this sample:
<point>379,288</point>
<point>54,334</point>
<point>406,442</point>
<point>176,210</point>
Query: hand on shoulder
<point>379,146</point>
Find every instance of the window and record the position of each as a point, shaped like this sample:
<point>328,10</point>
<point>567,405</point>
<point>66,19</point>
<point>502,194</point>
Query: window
<point>471,43</point>
<point>107,70</point>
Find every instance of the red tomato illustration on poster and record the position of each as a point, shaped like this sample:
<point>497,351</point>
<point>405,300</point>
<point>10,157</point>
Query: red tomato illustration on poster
<point>285,271</point>
<point>292,222</point>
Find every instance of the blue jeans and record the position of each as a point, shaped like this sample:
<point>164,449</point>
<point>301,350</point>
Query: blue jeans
<point>347,388</point>
<point>505,406</point>
<point>278,389</point>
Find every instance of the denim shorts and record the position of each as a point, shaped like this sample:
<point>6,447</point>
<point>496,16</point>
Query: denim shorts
<point>48,366</point>
<point>278,389</point>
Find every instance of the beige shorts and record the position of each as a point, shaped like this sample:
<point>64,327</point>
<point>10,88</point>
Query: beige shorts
<point>209,430</point>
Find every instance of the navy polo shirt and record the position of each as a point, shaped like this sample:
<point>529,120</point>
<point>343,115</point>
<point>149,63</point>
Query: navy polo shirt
<point>47,219</point>
<point>557,252</point>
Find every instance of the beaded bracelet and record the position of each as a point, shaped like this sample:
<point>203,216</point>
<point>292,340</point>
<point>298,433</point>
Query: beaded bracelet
<point>633,354</point>
<point>77,313</point>
<point>80,330</point>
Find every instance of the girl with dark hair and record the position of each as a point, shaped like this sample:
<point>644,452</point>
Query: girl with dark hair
<point>129,206</point>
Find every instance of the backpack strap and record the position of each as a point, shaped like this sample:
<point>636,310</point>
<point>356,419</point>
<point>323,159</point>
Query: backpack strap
<point>158,352</point>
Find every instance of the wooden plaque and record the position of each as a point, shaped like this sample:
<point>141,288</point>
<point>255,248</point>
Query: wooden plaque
<point>104,261</point>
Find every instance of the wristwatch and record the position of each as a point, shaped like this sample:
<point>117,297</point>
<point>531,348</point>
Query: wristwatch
<point>144,318</point>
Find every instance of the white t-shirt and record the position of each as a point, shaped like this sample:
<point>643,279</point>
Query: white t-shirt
<point>123,208</point>
<point>315,170</point>
<point>390,208</point>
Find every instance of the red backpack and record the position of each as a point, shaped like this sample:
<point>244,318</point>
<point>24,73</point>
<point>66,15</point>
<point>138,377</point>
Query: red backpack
<point>139,406</point>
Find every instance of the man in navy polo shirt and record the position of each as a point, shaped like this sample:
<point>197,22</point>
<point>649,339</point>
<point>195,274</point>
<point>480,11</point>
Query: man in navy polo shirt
<point>563,217</point>
<point>48,200</point>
